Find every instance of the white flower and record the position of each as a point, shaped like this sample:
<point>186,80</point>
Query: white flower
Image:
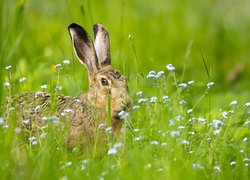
<point>163,143</point>
<point>8,67</point>
<point>153,99</point>
<point>22,79</point>
<point>181,127</point>
<point>6,84</point>
<point>189,111</point>
<point>34,143</point>
<point>202,120</point>
<point>139,94</point>
<point>170,67</point>
<point>191,133</point>
<point>69,163</point>
<point>182,102</point>
<point>112,151</point>
<point>43,135</point>
<point>234,102</point>
<point>216,132</point>
<point>154,142</point>
<point>210,84</point>
<point>26,121</point>
<point>139,138</point>
<point>117,145</point>
<point>136,130</point>
<point>148,166</point>
<point>224,114</point>
<point>246,159</point>
<point>142,100</point>
<point>66,62</point>
<point>247,104</point>
<point>32,138</point>
<point>58,88</point>
<point>174,133</point>
<point>217,123</point>
<point>58,66</point>
<point>44,86</point>
<point>232,163</point>
<point>190,82</point>
<point>109,130</point>
<point>166,99</point>
<point>136,107</point>
<point>160,169</point>
<point>101,126</point>
<point>245,139</point>
<point>197,166</point>
<point>185,142</point>
<point>151,74</point>
<point>183,85</point>
<point>217,169</point>
<point>159,74</point>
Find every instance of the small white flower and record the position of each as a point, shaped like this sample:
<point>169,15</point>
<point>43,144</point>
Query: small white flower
<point>181,127</point>
<point>101,126</point>
<point>197,166</point>
<point>142,100</point>
<point>12,108</point>
<point>174,133</point>
<point>153,99</point>
<point>210,84</point>
<point>182,102</point>
<point>109,130</point>
<point>69,163</point>
<point>159,74</point>
<point>44,86</point>
<point>154,142</point>
<point>217,169</point>
<point>202,120</point>
<point>245,139</point>
<point>183,85</point>
<point>43,135</point>
<point>139,94</point>
<point>242,150</point>
<point>166,99</point>
<point>185,142</point>
<point>216,132</point>
<point>247,104</point>
<point>234,102</point>
<point>66,62</point>
<point>26,121</point>
<point>160,169</point>
<point>136,130</point>
<point>22,79</point>
<point>209,139</point>
<point>191,133</point>
<point>8,67</point>
<point>164,144</point>
<point>246,159</point>
<point>136,107</point>
<point>232,163</point>
<point>189,111</point>
<point>32,138</point>
<point>6,84</point>
<point>170,67</point>
<point>34,143</point>
<point>151,74</point>
<point>58,66</point>
<point>139,138</point>
<point>58,88</point>
<point>190,82</point>
<point>117,145</point>
<point>77,101</point>
<point>217,123</point>
<point>224,114</point>
<point>112,151</point>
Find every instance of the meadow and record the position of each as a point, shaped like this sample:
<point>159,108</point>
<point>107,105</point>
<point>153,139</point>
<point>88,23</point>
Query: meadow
<point>187,64</point>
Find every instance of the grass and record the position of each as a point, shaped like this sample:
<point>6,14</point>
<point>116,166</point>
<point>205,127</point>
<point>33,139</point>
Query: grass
<point>181,127</point>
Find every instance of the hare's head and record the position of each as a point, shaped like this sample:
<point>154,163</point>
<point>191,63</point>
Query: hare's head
<point>106,85</point>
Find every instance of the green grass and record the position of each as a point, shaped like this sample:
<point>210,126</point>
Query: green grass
<point>194,134</point>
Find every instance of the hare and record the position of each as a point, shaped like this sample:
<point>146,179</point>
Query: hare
<point>107,96</point>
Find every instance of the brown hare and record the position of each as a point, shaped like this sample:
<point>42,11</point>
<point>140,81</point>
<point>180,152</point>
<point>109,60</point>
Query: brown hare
<point>107,95</point>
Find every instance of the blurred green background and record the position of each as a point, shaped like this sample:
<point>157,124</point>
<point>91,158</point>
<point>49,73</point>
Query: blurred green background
<point>34,36</point>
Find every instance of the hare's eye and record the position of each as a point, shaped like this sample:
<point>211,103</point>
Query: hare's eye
<point>104,82</point>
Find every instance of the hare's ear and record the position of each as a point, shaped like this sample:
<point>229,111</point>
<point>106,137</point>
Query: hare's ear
<point>102,44</point>
<point>84,47</point>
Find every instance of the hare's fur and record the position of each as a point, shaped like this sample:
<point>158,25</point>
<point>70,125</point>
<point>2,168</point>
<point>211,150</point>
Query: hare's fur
<point>89,110</point>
